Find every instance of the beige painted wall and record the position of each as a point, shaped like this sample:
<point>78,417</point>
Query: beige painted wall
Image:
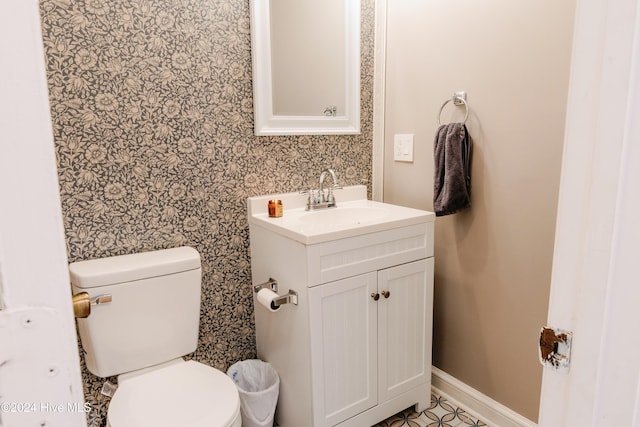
<point>493,262</point>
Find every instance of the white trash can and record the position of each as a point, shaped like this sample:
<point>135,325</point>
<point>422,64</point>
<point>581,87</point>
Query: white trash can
<point>258,385</point>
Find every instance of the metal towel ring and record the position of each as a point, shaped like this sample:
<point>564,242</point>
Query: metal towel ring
<point>457,100</point>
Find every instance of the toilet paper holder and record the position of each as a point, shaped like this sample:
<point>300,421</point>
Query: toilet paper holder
<point>290,298</point>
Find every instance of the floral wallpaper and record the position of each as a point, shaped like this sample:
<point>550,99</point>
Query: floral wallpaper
<point>152,112</point>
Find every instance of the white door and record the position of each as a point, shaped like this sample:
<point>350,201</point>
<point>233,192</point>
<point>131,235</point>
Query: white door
<point>405,316</point>
<point>343,323</point>
<point>40,381</point>
<point>595,290</point>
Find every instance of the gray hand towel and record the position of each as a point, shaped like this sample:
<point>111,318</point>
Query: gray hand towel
<point>452,178</point>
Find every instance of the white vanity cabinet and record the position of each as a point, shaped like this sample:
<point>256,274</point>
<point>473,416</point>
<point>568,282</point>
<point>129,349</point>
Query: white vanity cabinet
<point>370,339</point>
<point>356,349</point>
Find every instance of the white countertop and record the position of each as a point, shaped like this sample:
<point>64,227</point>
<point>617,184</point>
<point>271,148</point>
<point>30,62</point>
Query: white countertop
<point>353,216</point>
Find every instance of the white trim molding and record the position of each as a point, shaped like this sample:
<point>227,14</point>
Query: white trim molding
<point>474,402</point>
<point>380,59</point>
<point>594,290</point>
<point>37,328</point>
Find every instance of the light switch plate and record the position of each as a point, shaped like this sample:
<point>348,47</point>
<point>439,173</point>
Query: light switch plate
<point>403,147</point>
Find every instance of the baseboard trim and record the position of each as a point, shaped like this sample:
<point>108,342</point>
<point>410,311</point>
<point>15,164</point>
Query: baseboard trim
<point>475,403</point>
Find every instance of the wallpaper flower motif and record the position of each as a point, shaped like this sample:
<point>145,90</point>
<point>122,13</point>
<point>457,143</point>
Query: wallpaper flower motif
<point>152,112</point>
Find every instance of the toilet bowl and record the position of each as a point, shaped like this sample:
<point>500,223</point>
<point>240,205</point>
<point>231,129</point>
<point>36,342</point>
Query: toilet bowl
<point>144,318</point>
<point>190,394</point>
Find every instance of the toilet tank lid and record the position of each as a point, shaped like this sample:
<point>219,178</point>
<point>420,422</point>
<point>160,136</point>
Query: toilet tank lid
<point>126,268</point>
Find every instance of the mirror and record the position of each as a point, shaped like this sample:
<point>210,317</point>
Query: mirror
<point>306,66</point>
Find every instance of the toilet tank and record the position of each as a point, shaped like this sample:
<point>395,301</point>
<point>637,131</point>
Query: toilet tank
<point>154,312</point>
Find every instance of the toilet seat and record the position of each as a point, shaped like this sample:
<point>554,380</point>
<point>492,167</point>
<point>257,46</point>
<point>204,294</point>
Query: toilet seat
<point>186,394</point>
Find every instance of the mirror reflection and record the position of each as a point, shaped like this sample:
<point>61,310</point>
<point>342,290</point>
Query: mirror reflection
<point>306,66</point>
<point>304,84</point>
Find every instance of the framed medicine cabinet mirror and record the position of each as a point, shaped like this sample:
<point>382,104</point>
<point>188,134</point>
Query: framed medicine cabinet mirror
<point>306,66</point>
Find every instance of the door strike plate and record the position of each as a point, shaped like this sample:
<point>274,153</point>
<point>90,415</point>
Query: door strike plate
<point>555,349</point>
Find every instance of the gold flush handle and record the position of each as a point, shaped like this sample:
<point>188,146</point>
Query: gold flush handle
<point>82,303</point>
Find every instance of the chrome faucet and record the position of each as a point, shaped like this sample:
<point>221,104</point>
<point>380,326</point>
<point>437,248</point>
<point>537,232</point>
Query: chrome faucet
<point>329,198</point>
<point>323,200</point>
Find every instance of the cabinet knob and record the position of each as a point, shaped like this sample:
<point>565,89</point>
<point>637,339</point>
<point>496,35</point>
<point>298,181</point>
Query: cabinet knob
<point>386,294</point>
<point>375,296</point>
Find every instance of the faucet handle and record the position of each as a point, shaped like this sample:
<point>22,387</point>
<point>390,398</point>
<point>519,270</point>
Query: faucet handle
<point>311,197</point>
<point>330,197</point>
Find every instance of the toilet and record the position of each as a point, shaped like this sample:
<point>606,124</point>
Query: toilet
<point>144,317</point>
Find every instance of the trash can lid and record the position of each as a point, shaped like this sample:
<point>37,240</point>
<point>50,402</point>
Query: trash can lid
<point>186,394</point>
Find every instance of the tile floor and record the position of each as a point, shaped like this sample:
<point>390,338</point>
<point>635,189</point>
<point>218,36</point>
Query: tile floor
<point>440,413</point>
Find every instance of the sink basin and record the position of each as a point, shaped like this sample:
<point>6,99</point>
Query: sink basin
<point>353,216</point>
<point>342,216</point>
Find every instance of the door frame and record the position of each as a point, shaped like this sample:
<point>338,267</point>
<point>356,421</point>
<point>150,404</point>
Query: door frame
<point>596,231</point>
<point>40,381</point>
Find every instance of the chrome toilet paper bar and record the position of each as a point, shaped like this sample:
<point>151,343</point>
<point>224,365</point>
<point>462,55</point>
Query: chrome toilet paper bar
<point>290,298</point>
<point>269,284</point>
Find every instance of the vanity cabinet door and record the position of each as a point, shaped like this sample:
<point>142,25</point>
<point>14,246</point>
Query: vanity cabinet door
<point>344,348</point>
<point>405,313</point>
